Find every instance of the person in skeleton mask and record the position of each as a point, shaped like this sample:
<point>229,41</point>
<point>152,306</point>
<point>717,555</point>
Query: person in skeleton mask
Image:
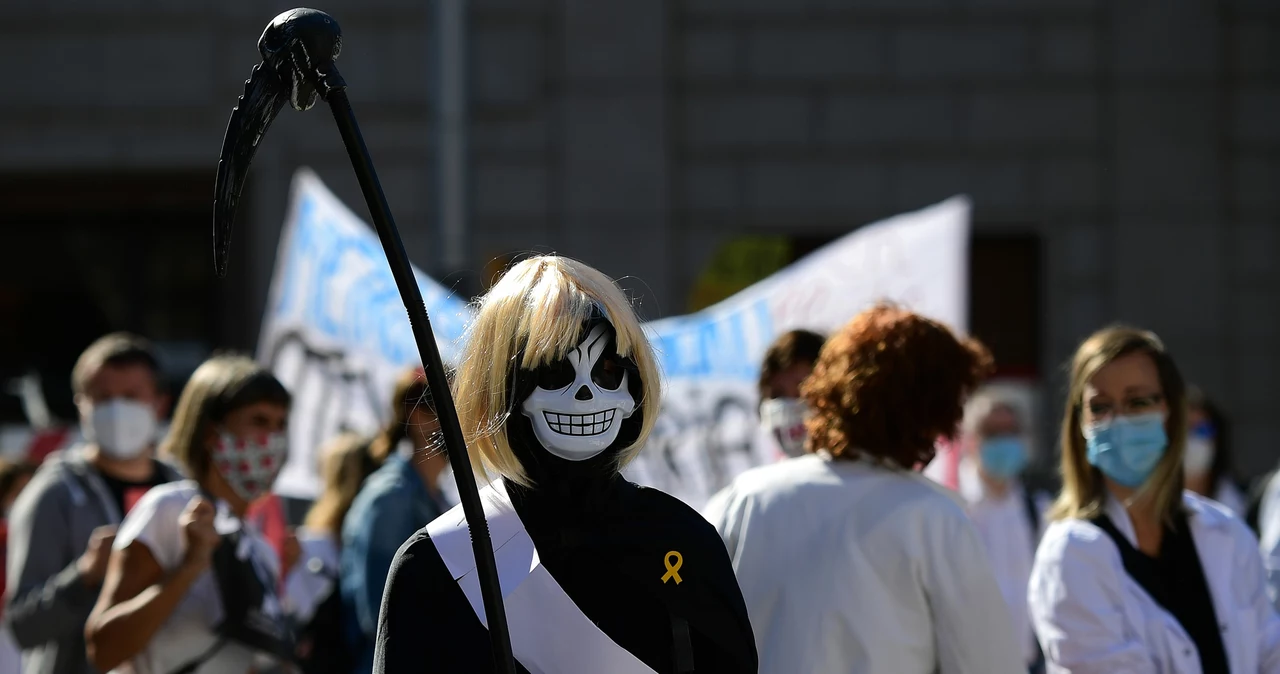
<point>557,392</point>
<point>190,588</point>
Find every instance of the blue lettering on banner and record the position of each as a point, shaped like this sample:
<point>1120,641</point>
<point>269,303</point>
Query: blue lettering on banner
<point>725,346</point>
<point>328,256</point>
<point>324,256</point>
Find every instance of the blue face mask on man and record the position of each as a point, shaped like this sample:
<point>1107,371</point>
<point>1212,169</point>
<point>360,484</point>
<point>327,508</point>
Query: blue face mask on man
<point>1003,457</point>
<point>1127,449</point>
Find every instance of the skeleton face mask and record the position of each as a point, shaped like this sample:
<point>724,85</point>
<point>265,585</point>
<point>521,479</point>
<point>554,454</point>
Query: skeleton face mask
<point>579,403</point>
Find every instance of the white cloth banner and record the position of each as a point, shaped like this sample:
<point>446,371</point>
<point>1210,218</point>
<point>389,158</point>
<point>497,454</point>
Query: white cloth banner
<point>336,332</point>
<point>708,430</point>
<point>337,335</point>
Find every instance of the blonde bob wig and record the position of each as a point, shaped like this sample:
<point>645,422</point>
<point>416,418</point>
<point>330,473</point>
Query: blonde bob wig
<point>1083,490</point>
<point>536,313</point>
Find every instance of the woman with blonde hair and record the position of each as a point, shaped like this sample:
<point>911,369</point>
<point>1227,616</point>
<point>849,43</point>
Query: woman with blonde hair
<point>403,495</point>
<point>189,588</point>
<point>1134,574</point>
<point>557,391</point>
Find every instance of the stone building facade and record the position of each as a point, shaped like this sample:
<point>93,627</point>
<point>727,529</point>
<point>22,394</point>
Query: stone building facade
<point>1127,153</point>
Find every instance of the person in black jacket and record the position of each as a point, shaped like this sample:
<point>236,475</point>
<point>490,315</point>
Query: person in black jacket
<point>557,391</point>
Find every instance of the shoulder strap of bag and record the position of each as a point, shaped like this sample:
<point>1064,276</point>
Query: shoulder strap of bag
<point>204,657</point>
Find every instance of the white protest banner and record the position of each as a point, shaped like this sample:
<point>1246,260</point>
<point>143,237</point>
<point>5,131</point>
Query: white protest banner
<point>337,335</point>
<point>708,430</point>
<point>336,332</point>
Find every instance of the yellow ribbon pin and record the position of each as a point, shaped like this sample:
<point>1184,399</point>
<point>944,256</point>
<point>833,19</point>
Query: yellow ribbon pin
<point>673,570</point>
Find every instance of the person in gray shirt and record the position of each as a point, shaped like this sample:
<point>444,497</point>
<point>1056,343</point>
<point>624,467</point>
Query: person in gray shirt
<point>63,524</point>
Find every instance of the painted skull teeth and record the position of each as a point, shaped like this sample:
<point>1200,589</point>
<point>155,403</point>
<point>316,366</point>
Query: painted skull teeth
<point>580,424</point>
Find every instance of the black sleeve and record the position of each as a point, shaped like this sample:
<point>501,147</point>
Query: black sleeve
<point>426,623</point>
<point>726,632</point>
<point>710,599</point>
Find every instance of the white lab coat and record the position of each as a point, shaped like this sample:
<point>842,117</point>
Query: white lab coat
<point>852,566</point>
<point>1010,536</point>
<point>1229,495</point>
<point>1269,535</point>
<point>1092,618</point>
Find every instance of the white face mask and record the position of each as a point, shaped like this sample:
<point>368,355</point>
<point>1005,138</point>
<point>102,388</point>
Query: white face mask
<point>582,419</point>
<point>783,418</point>
<point>1199,456</point>
<point>122,428</point>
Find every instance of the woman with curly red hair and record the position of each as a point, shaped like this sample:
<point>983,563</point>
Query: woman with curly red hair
<point>849,560</point>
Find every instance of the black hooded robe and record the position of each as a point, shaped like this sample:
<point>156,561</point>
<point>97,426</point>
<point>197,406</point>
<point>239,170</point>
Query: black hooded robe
<point>605,544</point>
<point>604,540</point>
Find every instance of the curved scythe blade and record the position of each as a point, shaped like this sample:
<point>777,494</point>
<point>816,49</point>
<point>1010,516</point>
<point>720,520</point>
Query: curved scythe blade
<point>264,96</point>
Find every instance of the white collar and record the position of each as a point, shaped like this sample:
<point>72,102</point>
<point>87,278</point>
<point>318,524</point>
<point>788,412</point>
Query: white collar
<point>1200,513</point>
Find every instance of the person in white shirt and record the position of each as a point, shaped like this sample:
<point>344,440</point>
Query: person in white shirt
<point>1005,511</point>
<point>1268,524</point>
<point>1135,575</point>
<point>312,595</point>
<point>848,560</point>
<point>346,464</point>
<point>189,587</point>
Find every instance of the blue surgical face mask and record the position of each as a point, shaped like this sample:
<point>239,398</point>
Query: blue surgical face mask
<point>1127,449</point>
<point>1003,457</point>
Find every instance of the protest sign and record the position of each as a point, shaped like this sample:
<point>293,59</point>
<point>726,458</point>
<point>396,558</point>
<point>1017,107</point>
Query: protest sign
<point>708,429</point>
<point>336,333</point>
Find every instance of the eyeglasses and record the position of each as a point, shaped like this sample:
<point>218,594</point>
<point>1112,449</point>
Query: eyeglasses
<point>1131,406</point>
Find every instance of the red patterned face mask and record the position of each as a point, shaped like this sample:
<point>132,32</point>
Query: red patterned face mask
<point>250,465</point>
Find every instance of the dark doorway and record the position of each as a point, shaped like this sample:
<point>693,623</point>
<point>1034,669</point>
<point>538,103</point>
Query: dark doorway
<point>1004,300</point>
<point>1004,296</point>
<point>86,254</point>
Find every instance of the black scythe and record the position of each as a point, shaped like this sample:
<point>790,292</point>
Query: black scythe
<point>298,49</point>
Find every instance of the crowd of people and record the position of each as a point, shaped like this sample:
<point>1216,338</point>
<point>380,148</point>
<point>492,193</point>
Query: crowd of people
<point>859,550</point>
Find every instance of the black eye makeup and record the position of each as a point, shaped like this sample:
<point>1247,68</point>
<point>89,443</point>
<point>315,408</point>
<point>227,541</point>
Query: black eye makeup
<point>555,376</point>
<point>608,372</point>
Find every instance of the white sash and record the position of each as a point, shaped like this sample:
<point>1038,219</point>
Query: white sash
<point>549,633</point>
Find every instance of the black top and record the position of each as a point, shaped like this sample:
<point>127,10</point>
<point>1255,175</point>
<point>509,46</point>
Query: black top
<point>605,541</point>
<point>1175,580</point>
<point>125,493</point>
<point>611,568</point>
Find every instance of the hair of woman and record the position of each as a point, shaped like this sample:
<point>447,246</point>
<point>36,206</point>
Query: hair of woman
<point>345,466</point>
<point>220,385</point>
<point>12,473</point>
<point>530,317</point>
<point>410,393</point>
<point>889,385</point>
<point>1083,489</point>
